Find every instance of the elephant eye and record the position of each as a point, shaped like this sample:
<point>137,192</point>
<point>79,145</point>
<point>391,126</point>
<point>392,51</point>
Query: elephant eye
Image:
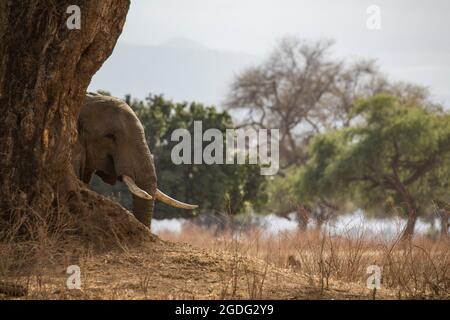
<point>110,136</point>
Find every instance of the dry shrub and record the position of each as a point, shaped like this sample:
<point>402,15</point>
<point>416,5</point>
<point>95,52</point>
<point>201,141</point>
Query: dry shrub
<point>241,275</point>
<point>419,268</point>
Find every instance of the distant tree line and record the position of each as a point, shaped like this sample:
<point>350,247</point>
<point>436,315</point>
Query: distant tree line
<point>350,138</point>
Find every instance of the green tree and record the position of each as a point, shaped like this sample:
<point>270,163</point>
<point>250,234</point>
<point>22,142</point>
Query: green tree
<point>394,155</point>
<point>286,197</point>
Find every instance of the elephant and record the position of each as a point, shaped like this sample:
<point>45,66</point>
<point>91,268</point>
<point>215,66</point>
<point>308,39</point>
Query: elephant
<point>111,144</point>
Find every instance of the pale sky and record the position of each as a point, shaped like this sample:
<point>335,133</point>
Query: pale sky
<point>413,43</point>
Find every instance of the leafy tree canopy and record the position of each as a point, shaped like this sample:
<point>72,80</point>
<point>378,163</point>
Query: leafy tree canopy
<point>393,155</point>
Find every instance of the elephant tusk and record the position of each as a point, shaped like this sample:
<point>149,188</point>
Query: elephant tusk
<point>172,202</point>
<point>134,189</point>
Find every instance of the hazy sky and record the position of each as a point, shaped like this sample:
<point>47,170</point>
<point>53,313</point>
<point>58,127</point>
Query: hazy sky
<point>413,43</point>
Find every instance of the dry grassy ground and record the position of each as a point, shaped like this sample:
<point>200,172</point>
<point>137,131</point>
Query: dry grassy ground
<point>166,270</point>
<point>244,265</point>
<point>326,263</point>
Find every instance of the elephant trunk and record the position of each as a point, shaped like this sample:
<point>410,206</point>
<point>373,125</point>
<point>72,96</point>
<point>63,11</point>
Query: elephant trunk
<point>137,170</point>
<point>143,210</point>
<point>145,180</point>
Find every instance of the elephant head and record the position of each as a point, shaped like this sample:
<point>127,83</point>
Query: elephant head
<point>111,144</point>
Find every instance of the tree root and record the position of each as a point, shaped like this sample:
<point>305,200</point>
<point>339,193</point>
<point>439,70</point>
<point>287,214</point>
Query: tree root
<point>103,223</point>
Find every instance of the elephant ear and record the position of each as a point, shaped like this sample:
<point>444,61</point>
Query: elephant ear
<point>107,178</point>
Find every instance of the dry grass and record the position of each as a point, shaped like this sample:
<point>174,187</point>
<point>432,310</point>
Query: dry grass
<point>416,269</point>
<point>226,265</point>
<point>35,244</point>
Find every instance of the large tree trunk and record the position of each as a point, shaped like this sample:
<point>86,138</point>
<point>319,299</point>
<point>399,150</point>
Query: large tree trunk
<point>45,69</point>
<point>408,231</point>
<point>411,210</point>
<point>303,217</point>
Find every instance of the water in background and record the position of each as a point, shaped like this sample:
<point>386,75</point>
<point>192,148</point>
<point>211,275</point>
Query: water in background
<point>271,224</point>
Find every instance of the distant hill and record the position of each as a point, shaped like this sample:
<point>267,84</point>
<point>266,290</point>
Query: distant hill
<point>181,69</point>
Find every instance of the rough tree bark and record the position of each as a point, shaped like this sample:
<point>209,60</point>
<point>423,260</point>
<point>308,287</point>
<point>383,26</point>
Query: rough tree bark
<point>411,221</point>
<point>303,217</point>
<point>45,69</point>
<point>412,213</point>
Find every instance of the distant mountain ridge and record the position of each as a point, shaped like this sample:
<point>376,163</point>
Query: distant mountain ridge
<point>181,69</point>
<point>184,43</point>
